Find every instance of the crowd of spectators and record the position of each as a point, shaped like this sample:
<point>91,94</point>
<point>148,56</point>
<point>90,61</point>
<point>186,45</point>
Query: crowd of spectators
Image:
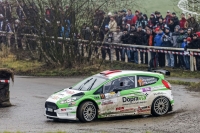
<point>123,27</point>
<point>158,30</point>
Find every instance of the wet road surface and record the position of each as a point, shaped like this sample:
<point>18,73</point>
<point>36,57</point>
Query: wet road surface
<point>28,95</point>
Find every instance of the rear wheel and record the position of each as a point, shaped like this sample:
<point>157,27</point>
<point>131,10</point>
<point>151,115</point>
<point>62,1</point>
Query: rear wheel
<point>160,106</point>
<point>87,111</point>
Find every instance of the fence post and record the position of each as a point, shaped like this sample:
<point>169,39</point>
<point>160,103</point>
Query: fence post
<point>191,61</point>
<point>149,57</point>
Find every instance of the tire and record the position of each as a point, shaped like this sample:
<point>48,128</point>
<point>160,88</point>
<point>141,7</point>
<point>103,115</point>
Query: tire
<point>160,106</point>
<point>87,111</point>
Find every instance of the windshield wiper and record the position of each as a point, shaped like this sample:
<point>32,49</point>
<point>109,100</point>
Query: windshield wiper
<point>81,87</point>
<point>92,85</point>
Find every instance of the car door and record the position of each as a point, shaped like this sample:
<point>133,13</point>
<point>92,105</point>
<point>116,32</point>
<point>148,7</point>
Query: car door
<point>112,100</point>
<point>109,99</point>
<point>139,96</point>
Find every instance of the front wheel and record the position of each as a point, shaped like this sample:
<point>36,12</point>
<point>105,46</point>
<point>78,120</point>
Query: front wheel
<point>160,106</point>
<point>87,111</point>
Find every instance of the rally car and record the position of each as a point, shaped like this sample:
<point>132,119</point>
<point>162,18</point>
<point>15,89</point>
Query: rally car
<point>112,93</point>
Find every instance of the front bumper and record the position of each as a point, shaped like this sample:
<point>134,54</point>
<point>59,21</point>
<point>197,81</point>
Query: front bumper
<point>53,112</point>
<point>64,113</point>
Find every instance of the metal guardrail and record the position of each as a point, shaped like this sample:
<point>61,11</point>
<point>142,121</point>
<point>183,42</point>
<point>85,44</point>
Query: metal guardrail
<point>140,48</point>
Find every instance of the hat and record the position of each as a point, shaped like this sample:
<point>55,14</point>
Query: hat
<point>168,11</point>
<point>173,13</point>
<point>109,14</point>
<point>177,27</point>
<point>198,33</point>
<point>157,29</point>
<point>152,14</point>
<point>167,28</point>
<point>189,39</point>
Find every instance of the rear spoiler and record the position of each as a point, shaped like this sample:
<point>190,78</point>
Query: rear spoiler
<point>165,72</point>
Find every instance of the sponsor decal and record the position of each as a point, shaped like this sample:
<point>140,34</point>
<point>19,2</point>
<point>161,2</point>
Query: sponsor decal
<point>55,97</point>
<point>159,93</point>
<point>133,100</point>
<point>120,108</point>
<point>146,80</point>
<point>146,89</point>
<point>128,110</point>
<point>70,92</point>
<point>107,102</point>
<point>143,109</point>
<point>157,87</point>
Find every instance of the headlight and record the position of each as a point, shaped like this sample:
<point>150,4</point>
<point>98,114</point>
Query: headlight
<point>71,99</point>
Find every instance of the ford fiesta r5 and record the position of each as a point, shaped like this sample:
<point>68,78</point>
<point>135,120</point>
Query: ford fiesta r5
<point>112,93</point>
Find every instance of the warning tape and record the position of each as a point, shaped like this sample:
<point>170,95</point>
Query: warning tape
<point>150,50</point>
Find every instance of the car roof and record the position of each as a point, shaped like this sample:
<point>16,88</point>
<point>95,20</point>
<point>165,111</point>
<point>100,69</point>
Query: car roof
<point>116,73</point>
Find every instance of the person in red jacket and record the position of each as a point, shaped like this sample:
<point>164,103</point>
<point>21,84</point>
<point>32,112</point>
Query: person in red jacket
<point>182,21</point>
<point>135,18</point>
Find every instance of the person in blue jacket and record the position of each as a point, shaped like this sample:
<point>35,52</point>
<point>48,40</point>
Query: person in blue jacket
<point>65,30</point>
<point>158,42</point>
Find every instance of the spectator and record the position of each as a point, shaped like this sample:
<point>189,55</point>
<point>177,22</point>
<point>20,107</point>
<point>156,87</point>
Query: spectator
<point>180,40</point>
<point>152,21</point>
<point>140,34</point>
<point>160,24</point>
<point>168,17</point>
<point>112,24</point>
<point>132,40</point>
<point>186,44</point>
<point>171,26</point>
<point>175,19</point>
<point>135,18</point>
<point>119,18</point>
<point>128,27</point>
<point>158,43</point>
<point>108,37</point>
<point>117,39</point>
<point>175,35</point>
<point>149,38</point>
<point>129,17</point>
<point>107,19</point>
<point>167,42</point>
<point>192,23</point>
<point>189,33</point>
<point>140,21</point>
<point>195,44</point>
<point>125,50</point>
<point>158,16</point>
<point>145,19</point>
<point>182,21</point>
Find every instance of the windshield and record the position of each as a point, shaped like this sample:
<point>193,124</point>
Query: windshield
<point>89,83</point>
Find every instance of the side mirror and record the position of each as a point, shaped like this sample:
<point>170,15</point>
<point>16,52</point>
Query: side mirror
<point>117,90</point>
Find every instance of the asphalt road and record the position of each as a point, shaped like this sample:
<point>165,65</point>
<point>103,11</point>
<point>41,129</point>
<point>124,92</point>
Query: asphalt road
<point>28,95</point>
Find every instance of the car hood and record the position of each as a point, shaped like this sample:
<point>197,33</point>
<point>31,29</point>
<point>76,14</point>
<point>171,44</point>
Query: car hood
<point>62,94</point>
